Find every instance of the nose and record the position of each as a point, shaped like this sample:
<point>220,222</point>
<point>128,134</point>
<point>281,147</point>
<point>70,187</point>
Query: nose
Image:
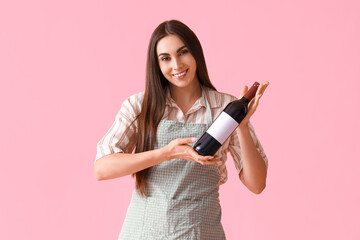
<point>177,64</point>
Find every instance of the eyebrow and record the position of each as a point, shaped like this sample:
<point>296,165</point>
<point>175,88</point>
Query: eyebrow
<point>176,51</point>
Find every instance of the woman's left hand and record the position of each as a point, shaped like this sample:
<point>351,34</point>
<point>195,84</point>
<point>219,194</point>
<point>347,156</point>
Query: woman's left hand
<point>253,104</point>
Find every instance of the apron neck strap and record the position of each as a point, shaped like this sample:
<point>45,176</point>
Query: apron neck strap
<point>208,114</point>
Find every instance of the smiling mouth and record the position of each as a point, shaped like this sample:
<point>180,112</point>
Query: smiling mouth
<point>181,74</point>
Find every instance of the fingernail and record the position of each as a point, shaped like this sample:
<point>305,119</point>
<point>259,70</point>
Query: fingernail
<point>193,139</point>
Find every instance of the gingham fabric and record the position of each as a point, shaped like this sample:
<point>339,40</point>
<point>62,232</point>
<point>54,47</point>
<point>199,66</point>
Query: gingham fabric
<point>183,196</point>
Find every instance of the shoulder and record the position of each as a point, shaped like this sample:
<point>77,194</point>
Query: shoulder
<point>132,105</point>
<point>218,99</point>
<point>135,99</point>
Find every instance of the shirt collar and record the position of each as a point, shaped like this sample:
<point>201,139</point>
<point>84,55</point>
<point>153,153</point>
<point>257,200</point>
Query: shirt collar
<point>209,93</point>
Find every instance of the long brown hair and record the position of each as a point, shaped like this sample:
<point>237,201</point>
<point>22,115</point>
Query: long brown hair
<point>153,105</point>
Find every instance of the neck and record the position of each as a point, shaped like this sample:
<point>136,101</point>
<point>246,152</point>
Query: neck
<point>186,97</point>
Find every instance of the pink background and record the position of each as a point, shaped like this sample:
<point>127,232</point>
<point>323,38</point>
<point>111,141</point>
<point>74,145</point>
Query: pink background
<point>66,67</point>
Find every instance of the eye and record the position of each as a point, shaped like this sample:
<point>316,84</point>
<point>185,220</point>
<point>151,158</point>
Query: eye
<point>182,52</point>
<point>164,58</point>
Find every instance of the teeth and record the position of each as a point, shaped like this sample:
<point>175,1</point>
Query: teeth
<point>179,75</point>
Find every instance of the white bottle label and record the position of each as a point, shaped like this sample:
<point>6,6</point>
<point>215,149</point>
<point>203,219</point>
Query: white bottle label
<point>222,127</point>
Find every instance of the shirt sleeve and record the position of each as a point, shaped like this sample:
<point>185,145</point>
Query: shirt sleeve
<point>120,138</point>
<point>235,150</point>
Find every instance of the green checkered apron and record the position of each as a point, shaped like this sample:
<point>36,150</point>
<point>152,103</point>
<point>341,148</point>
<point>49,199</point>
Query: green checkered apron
<point>183,196</point>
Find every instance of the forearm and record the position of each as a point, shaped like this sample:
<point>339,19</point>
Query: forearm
<point>122,164</point>
<point>254,170</point>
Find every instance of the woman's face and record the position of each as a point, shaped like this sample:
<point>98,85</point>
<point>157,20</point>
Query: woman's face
<point>176,62</point>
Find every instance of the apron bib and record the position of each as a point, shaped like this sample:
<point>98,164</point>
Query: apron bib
<point>183,196</point>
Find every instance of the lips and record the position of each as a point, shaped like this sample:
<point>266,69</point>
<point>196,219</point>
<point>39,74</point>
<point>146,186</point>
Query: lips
<point>180,74</point>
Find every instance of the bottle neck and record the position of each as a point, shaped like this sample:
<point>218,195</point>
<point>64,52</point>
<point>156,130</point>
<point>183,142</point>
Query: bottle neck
<point>244,100</point>
<point>250,94</point>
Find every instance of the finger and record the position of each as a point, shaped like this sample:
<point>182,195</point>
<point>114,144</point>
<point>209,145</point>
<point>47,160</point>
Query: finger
<point>243,91</point>
<point>251,104</point>
<point>214,160</point>
<point>196,156</point>
<point>255,101</point>
<point>186,140</point>
<point>260,91</point>
<point>210,161</point>
<point>199,158</point>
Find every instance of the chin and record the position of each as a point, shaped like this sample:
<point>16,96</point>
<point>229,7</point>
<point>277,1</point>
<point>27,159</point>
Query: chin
<point>182,83</point>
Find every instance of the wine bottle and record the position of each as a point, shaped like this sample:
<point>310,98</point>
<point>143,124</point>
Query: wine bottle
<point>225,124</point>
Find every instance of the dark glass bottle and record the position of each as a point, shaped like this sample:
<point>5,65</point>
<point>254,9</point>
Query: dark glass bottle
<point>225,124</point>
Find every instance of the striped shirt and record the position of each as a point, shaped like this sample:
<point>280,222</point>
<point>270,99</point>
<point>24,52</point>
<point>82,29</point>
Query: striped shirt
<point>121,139</point>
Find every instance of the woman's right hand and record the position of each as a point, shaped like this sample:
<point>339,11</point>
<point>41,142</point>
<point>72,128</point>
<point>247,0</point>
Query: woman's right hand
<point>180,148</point>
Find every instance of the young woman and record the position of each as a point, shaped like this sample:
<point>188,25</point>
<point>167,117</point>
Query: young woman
<point>176,194</point>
